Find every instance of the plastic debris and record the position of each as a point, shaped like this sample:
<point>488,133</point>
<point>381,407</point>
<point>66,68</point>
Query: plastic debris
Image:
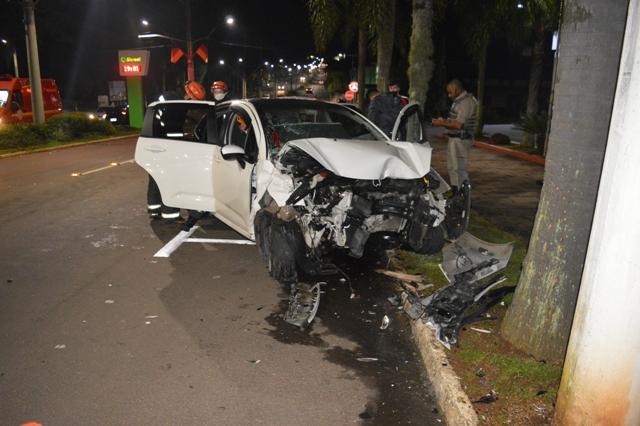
<point>470,265</point>
<point>304,301</point>
<point>480,330</point>
<point>385,323</point>
<point>487,399</point>
<point>254,361</point>
<point>109,301</point>
<point>151,316</point>
<point>60,346</point>
<point>367,359</point>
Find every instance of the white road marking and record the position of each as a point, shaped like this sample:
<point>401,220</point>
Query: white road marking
<point>183,237</point>
<point>220,241</point>
<point>99,169</point>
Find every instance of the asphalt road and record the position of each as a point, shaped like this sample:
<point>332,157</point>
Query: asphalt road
<point>96,331</point>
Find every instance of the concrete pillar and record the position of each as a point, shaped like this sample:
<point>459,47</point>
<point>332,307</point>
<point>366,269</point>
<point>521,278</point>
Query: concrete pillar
<point>601,377</point>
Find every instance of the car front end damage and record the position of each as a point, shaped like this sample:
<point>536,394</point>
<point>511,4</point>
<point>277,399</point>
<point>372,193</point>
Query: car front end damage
<point>306,211</point>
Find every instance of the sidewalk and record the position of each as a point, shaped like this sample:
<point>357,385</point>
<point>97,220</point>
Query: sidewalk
<point>503,189</point>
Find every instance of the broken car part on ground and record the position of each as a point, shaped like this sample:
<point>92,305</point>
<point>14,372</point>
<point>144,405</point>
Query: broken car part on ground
<point>467,264</point>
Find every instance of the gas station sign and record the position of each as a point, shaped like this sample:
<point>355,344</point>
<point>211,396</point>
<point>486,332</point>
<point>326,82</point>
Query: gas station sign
<point>133,63</point>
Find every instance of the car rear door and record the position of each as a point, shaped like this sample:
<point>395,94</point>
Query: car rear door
<point>176,148</point>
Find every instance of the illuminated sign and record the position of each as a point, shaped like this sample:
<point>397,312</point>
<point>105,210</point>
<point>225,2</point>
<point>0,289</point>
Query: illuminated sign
<point>133,62</point>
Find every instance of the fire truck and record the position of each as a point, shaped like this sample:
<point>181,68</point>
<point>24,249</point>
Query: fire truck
<point>15,99</point>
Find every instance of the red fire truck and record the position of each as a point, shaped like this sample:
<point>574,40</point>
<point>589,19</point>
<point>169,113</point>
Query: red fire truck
<point>15,99</point>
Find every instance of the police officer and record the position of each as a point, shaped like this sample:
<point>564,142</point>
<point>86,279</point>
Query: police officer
<point>384,108</point>
<point>460,125</point>
<point>155,207</point>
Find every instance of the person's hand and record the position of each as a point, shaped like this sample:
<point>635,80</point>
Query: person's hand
<point>438,122</point>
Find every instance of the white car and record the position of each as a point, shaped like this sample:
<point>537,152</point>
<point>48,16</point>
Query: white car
<point>301,177</point>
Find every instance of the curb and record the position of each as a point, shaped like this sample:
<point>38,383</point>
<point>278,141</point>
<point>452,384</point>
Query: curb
<point>454,403</point>
<point>71,145</point>
<point>537,159</point>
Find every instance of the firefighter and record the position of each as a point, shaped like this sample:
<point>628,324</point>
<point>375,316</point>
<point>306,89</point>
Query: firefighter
<point>220,91</point>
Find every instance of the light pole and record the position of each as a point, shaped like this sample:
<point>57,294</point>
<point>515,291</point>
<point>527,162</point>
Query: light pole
<point>229,20</point>
<point>33,61</point>
<point>15,57</point>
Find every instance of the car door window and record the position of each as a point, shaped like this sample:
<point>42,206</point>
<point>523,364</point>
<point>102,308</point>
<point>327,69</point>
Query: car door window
<point>409,125</point>
<point>180,121</point>
<point>222,122</point>
<point>240,132</point>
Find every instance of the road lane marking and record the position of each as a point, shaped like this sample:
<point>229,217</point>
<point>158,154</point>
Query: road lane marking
<point>183,237</point>
<point>99,169</point>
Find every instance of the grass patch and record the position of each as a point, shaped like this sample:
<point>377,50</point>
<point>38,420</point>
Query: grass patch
<point>62,129</point>
<point>526,388</point>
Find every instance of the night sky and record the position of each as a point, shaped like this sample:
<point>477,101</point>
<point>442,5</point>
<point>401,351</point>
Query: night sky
<point>78,39</point>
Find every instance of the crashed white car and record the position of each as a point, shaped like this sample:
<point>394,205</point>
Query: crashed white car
<point>301,177</point>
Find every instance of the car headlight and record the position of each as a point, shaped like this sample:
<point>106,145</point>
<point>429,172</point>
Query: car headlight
<point>104,116</point>
<point>91,116</point>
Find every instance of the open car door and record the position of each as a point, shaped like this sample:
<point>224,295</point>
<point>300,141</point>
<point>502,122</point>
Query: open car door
<point>409,125</point>
<point>176,148</point>
<point>233,168</point>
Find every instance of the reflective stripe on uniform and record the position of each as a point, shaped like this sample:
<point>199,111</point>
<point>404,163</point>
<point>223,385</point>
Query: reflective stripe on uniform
<point>170,215</point>
<point>153,206</point>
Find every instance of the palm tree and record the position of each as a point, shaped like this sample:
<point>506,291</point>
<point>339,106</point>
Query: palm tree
<point>421,52</point>
<point>386,29</point>
<point>363,17</point>
<point>542,16</point>
<point>540,316</point>
<point>480,21</point>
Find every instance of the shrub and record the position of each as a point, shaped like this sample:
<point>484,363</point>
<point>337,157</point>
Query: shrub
<point>75,125</point>
<point>62,127</point>
<point>24,135</point>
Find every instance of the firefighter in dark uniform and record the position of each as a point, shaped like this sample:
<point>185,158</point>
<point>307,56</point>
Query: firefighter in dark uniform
<point>155,207</point>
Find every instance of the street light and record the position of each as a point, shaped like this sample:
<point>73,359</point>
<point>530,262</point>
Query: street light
<point>15,56</point>
<point>144,22</point>
<point>229,20</point>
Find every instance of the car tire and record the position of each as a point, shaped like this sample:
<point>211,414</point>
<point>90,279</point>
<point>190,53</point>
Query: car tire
<point>280,245</point>
<point>433,242</point>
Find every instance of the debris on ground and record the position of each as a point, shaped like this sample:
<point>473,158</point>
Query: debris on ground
<point>470,265</point>
<point>385,323</point>
<point>419,279</point>
<point>304,301</point>
<point>480,330</point>
<point>367,359</point>
<point>492,396</point>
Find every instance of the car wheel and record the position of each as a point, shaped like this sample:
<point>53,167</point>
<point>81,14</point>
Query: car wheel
<point>281,245</point>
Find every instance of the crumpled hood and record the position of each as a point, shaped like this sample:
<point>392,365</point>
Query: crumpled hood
<point>362,159</point>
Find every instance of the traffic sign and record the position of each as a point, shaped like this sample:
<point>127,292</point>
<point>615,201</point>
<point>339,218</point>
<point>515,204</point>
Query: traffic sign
<point>353,86</point>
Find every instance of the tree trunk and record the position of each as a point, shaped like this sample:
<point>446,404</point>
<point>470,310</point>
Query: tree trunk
<point>535,74</point>
<point>482,77</point>
<point>362,64</point>
<point>539,319</point>
<point>421,51</point>
<point>385,46</point>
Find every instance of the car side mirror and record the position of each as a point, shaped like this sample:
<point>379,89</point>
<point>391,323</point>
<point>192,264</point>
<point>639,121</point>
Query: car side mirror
<point>232,152</point>
<point>15,106</point>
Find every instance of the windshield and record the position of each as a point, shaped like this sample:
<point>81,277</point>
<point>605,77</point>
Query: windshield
<point>289,119</point>
<point>4,96</point>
